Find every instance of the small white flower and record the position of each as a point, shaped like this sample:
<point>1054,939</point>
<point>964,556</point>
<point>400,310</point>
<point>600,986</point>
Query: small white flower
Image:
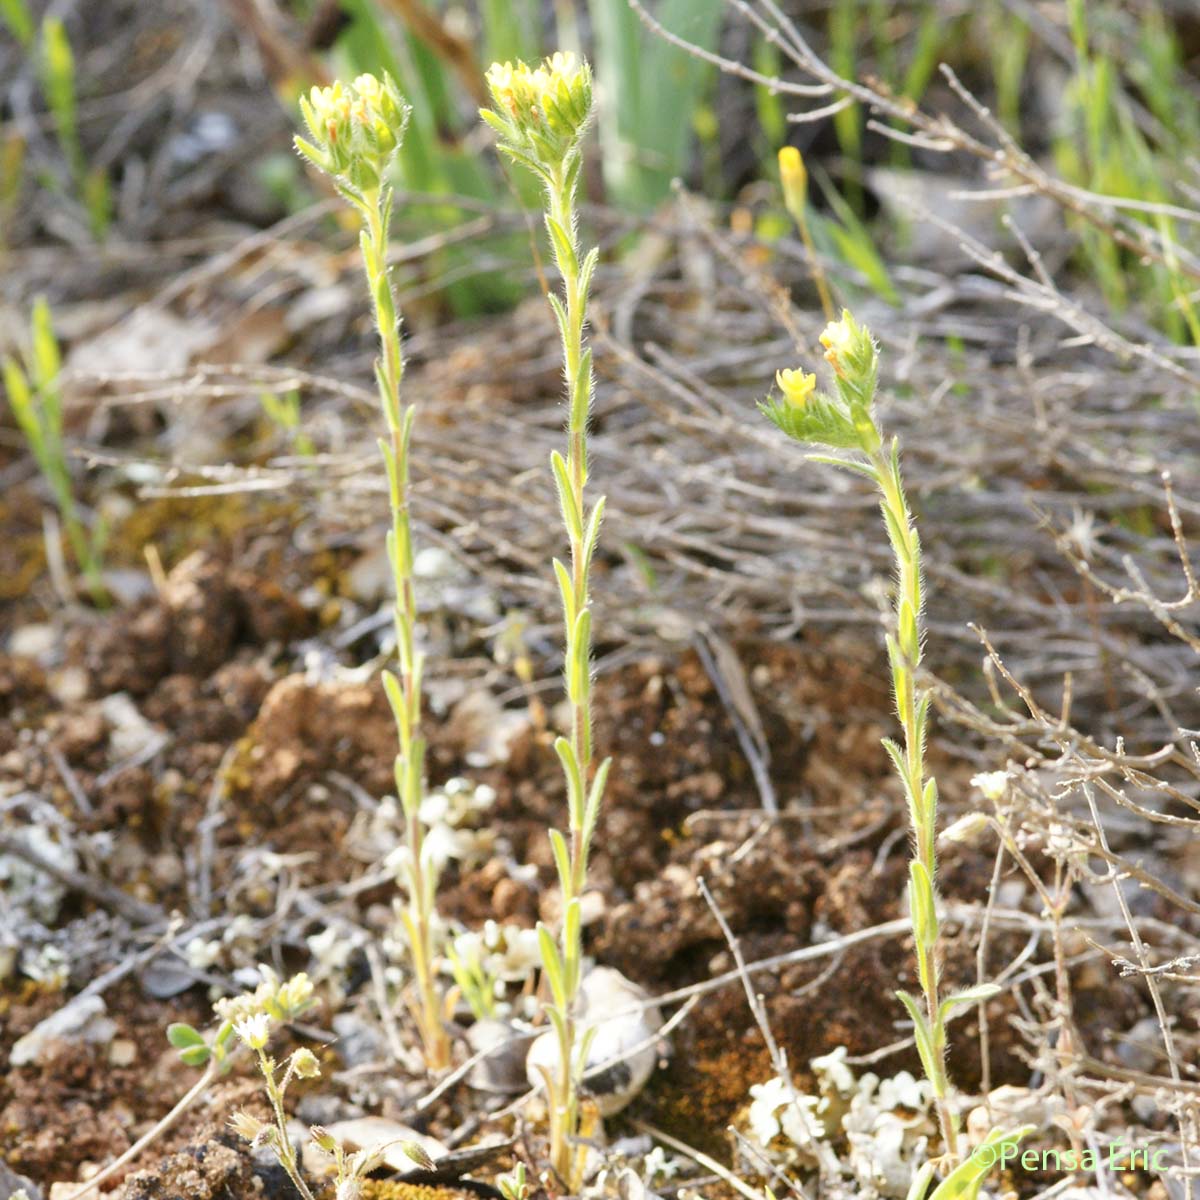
<point>521,954</point>
<point>254,1031</point>
<point>993,784</point>
<point>203,954</point>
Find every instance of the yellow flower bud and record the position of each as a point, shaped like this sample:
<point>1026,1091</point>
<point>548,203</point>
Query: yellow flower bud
<point>540,112</point>
<point>838,340</point>
<point>796,386</point>
<point>355,128</point>
<point>794,178</point>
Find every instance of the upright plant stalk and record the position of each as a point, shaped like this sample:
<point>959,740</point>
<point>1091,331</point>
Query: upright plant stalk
<point>846,422</point>
<point>541,115</point>
<point>794,177</point>
<point>356,132</point>
<point>35,397</point>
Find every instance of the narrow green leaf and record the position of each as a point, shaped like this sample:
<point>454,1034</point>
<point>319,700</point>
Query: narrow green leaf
<point>921,900</point>
<point>964,1182</point>
<point>593,532</point>
<point>586,272</point>
<point>552,965</point>
<point>922,1035</point>
<point>562,860</point>
<point>564,251</point>
<point>975,995</point>
<point>595,796</point>
<point>920,725</point>
<point>581,657</point>
<point>929,803</point>
<point>309,151</point>
<point>920,1183</point>
<point>560,316</point>
<point>575,785</point>
<point>847,464</point>
<point>581,397</point>
<point>897,530</point>
<point>566,589</point>
<point>572,517</point>
<point>584,1049</point>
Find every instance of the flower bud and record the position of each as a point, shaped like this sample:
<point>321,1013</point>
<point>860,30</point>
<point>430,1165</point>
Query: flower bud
<point>419,1155</point>
<point>323,1138</point>
<point>305,1064</point>
<point>966,831</point>
<point>295,995</point>
<point>794,179</point>
<point>840,339</point>
<point>248,1128</point>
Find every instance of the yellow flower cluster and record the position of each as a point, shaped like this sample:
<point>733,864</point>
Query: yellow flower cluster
<point>271,1000</point>
<point>355,128</point>
<point>540,112</point>
<point>522,89</point>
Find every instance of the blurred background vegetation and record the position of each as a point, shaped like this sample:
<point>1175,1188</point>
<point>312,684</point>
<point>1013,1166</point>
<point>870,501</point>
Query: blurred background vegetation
<point>1104,92</point>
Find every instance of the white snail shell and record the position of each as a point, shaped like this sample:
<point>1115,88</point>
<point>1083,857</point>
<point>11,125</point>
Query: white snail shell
<point>624,1039</point>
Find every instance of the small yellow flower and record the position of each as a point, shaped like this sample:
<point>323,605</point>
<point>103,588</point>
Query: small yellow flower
<point>796,386</point>
<point>838,339</point>
<point>794,179</point>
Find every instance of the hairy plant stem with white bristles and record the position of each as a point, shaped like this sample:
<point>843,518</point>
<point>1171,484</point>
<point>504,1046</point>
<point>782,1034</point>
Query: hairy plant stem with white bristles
<point>356,132</point>
<point>541,116</point>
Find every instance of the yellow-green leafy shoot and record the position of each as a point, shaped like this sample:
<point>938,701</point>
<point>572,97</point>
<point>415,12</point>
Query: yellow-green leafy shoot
<point>845,421</point>
<point>540,115</point>
<point>58,82</point>
<point>355,131</point>
<point>35,396</point>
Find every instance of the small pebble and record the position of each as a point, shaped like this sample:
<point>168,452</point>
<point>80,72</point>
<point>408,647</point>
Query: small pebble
<point>122,1052</point>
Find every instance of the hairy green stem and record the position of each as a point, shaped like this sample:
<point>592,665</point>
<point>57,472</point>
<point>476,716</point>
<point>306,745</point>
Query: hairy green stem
<point>406,699</point>
<point>284,1149</point>
<point>565,1097</point>
<point>911,704</point>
